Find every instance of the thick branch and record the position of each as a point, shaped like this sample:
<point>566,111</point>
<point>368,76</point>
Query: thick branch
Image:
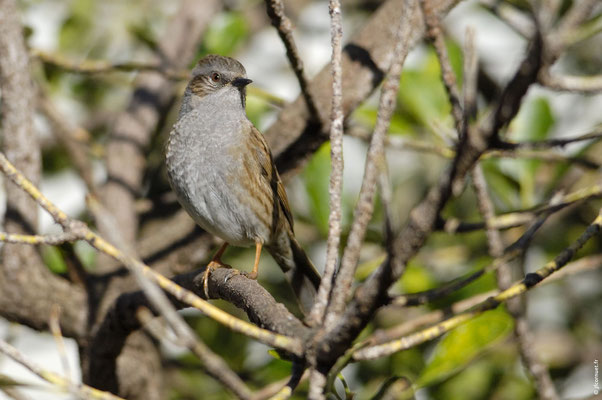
<point>28,288</point>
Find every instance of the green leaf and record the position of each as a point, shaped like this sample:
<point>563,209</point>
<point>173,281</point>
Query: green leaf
<point>274,353</point>
<point>367,116</point>
<point>75,33</point>
<point>86,254</point>
<point>417,278</point>
<point>505,188</point>
<point>54,259</point>
<point>225,34</point>
<point>472,383</point>
<point>464,343</point>
<point>423,97</point>
<point>256,109</point>
<point>456,59</point>
<point>533,122</point>
<point>317,176</point>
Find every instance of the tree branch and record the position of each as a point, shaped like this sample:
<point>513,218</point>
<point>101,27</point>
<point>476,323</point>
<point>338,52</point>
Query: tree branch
<point>28,288</point>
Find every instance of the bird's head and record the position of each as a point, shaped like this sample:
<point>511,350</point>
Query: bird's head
<point>219,75</point>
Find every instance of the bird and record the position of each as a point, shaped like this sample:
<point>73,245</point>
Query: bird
<point>223,174</point>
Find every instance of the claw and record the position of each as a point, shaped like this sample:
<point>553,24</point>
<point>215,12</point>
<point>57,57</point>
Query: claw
<point>233,272</point>
<point>214,264</point>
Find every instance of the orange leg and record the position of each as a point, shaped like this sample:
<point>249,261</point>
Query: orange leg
<point>215,263</point>
<point>254,273</point>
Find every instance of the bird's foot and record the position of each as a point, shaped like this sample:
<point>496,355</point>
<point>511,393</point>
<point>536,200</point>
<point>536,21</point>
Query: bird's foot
<point>251,275</point>
<point>213,265</point>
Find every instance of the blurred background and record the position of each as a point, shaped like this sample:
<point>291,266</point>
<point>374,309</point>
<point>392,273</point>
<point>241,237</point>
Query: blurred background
<point>476,361</point>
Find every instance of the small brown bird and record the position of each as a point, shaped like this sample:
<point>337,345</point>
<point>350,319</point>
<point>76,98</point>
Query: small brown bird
<point>223,174</point>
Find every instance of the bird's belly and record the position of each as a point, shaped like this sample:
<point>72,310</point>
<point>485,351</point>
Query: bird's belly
<point>214,203</point>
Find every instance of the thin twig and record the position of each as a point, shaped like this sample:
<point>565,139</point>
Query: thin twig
<point>471,72</point>
<point>595,134</point>
<point>423,218</point>
<point>102,66</point>
<point>571,83</point>
<point>584,264</point>
<point>213,364</point>
<point>296,376</point>
<point>511,16</point>
<point>435,34</point>
<point>275,10</point>
<point>51,240</point>
<point>516,289</point>
<point>80,390</point>
<point>67,132</point>
<point>545,155</point>
<point>522,217</point>
<point>55,328</point>
<point>540,149</point>
<point>82,231</point>
<point>337,164</point>
<point>427,296</point>
<point>276,388</point>
<point>503,257</point>
<point>544,384</point>
<point>374,161</point>
<point>578,13</point>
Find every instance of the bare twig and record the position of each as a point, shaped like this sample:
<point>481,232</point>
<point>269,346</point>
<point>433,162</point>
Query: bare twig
<point>587,263</point>
<point>510,15</point>
<point>213,364</point>
<point>296,376</point>
<point>420,298</point>
<point>517,218</point>
<point>37,239</point>
<point>545,155</point>
<point>55,328</point>
<point>435,34</point>
<point>595,134</point>
<point>578,13</point>
<point>87,66</point>
<point>366,58</point>
<point>569,83</point>
<point>544,384</point>
<point>516,289</point>
<point>276,388</point>
<point>471,71</point>
<point>80,390</point>
<point>337,164</point>
<point>374,162</point>
<point>70,136</point>
<point>423,218</point>
<point>275,9</point>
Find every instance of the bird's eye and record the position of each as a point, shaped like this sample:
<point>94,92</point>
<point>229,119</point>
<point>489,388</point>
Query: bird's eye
<point>215,77</point>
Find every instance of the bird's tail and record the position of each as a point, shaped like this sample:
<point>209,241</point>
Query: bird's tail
<point>300,272</point>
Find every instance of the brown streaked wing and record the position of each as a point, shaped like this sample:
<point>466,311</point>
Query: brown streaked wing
<point>270,173</point>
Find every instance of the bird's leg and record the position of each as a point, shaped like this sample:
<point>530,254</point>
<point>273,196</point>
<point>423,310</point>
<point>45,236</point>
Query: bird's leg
<point>215,263</point>
<point>253,274</point>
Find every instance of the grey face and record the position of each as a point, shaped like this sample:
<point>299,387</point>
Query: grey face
<point>214,72</point>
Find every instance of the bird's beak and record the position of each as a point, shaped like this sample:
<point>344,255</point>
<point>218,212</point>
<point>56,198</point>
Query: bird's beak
<point>241,82</point>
